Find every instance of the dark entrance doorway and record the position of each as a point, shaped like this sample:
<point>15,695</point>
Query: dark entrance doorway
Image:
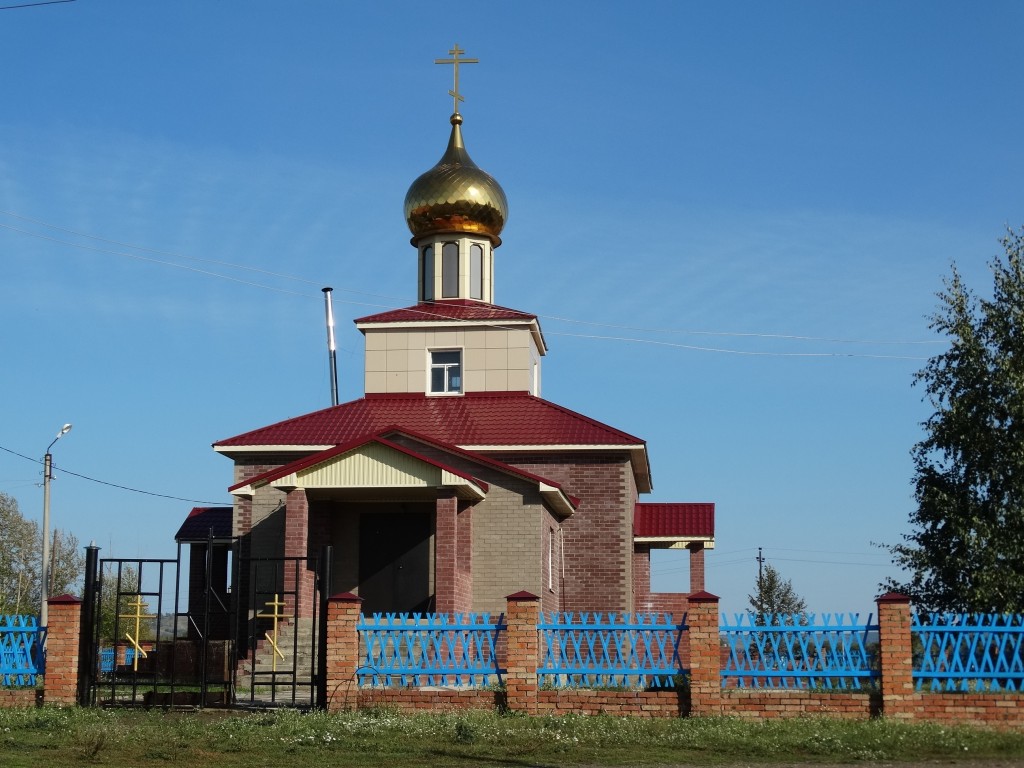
<point>394,561</point>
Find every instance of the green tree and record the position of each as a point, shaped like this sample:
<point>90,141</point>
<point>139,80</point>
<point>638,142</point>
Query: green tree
<point>20,555</point>
<point>773,594</point>
<point>966,548</point>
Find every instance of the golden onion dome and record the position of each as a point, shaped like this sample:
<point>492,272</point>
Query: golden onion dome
<point>455,195</point>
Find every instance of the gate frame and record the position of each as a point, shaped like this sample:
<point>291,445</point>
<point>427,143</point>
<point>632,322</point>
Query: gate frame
<point>89,679</point>
<point>316,683</point>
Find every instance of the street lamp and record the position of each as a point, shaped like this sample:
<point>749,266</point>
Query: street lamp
<point>45,573</point>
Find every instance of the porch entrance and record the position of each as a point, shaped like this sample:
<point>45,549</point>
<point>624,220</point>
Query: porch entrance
<point>395,561</point>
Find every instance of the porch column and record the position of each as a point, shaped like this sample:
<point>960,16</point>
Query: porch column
<point>464,560</point>
<point>642,578</point>
<point>696,566</point>
<point>298,580</point>
<point>446,552</point>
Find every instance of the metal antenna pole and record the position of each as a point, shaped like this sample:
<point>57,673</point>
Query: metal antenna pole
<point>331,349</point>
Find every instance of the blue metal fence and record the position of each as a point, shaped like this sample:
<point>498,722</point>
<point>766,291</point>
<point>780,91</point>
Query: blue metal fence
<point>407,649</point>
<point>20,655</point>
<point>108,659</point>
<point>968,652</point>
<point>834,651</point>
<point>590,650</point>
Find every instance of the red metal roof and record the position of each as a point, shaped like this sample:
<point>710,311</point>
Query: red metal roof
<point>474,419</point>
<point>199,522</point>
<point>454,309</point>
<point>674,519</point>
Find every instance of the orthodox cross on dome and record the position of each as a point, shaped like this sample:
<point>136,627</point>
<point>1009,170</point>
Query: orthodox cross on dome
<point>455,52</point>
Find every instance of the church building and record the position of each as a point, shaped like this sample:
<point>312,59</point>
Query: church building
<point>452,482</point>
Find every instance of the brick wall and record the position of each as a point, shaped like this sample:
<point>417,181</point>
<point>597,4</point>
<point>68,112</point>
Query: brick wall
<point>999,710</point>
<point>772,704</point>
<point>418,700</point>
<point>619,703</point>
<point>599,535</point>
<point>17,698</point>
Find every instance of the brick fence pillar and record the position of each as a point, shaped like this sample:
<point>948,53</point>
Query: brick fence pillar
<point>896,655</point>
<point>60,683</point>
<point>705,656</point>
<point>342,660</point>
<point>523,652</point>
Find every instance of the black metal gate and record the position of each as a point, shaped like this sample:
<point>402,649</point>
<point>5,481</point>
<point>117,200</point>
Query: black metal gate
<point>225,631</point>
<point>283,656</point>
<point>155,636</point>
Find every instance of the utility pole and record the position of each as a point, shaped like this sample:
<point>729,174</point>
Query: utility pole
<point>44,576</point>
<point>760,579</point>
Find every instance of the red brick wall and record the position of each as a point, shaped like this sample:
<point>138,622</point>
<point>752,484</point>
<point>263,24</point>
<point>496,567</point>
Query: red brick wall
<point>989,709</point>
<point>417,700</point>
<point>769,704</point>
<point>17,698</point>
<point>619,703</point>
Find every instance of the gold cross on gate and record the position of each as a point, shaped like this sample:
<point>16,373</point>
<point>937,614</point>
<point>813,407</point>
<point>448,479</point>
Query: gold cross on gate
<point>455,52</point>
<point>138,615</point>
<point>275,605</point>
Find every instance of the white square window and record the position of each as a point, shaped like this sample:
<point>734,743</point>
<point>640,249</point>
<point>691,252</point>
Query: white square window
<point>446,371</point>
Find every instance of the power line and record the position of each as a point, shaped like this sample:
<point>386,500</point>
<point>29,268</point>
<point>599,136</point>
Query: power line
<point>33,5</point>
<point>285,276</point>
<point>154,261</point>
<point>115,485</point>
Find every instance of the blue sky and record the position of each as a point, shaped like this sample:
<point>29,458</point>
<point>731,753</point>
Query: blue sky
<point>704,180</point>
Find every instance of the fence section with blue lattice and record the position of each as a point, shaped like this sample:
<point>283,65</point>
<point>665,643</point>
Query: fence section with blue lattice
<point>968,652</point>
<point>20,656</point>
<point>832,652</point>
<point>597,650</point>
<point>108,659</point>
<point>419,650</point>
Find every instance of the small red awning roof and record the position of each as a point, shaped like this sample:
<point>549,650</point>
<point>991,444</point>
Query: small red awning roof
<point>681,520</point>
<point>201,520</point>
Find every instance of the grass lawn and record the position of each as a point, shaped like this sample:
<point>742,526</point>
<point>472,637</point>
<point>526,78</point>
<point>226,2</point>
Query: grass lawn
<point>41,738</point>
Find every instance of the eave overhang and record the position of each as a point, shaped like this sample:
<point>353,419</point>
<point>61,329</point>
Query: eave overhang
<point>675,542</point>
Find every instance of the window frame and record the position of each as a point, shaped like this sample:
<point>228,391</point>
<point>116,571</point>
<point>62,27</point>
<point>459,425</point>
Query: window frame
<point>451,255</point>
<point>446,367</point>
